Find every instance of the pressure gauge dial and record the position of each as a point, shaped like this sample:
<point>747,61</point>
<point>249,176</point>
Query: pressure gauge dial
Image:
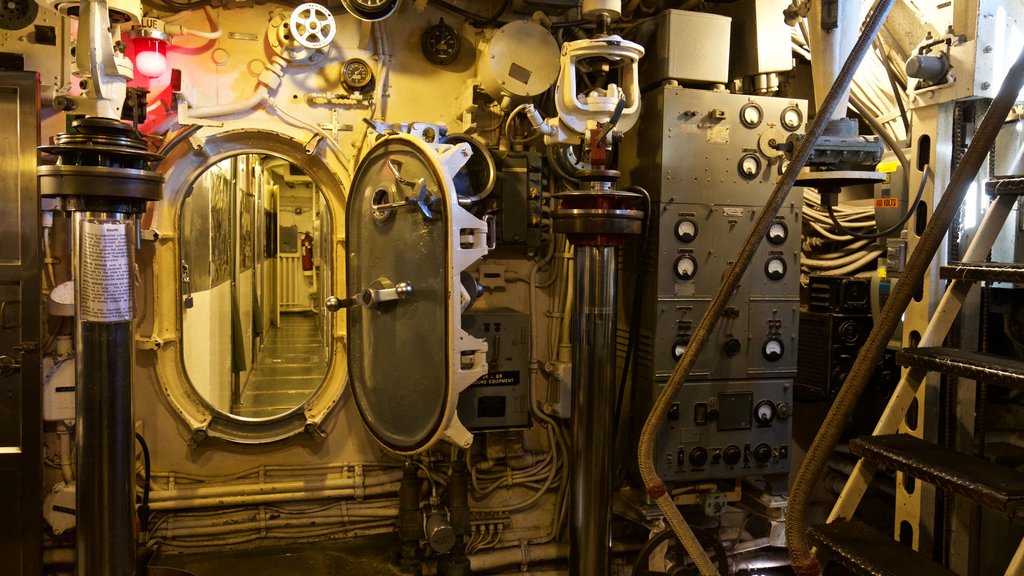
<point>370,10</point>
<point>792,118</point>
<point>773,349</point>
<point>749,166</point>
<point>356,75</point>
<point>764,412</point>
<point>686,267</point>
<point>440,44</point>
<point>778,232</point>
<point>686,230</point>
<point>751,115</point>
<point>775,268</point>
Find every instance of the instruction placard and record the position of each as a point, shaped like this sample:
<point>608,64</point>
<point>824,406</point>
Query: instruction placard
<point>106,279</point>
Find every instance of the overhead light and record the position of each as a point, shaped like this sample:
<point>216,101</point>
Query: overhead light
<point>150,46</point>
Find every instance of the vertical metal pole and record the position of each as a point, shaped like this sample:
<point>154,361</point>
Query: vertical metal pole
<point>592,409</point>
<point>103,178</point>
<point>102,253</point>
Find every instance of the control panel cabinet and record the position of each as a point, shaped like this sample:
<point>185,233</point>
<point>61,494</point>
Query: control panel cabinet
<point>709,161</point>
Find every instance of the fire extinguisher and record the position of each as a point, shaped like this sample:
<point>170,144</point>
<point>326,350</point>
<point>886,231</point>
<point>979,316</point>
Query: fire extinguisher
<point>307,252</point>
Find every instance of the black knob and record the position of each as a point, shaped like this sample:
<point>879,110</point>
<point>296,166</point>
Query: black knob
<point>732,347</point>
<point>731,455</point>
<point>762,453</point>
<point>698,457</point>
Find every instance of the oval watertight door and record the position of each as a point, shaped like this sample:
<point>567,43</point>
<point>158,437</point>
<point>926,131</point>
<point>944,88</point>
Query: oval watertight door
<point>407,241</point>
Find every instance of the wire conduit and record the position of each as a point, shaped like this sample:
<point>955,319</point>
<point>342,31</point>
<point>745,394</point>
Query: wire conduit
<point>653,484</point>
<point>814,462</point>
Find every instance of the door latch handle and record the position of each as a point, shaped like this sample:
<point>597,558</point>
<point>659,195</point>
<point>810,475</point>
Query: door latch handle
<point>378,292</point>
<point>3,314</point>
<point>9,366</point>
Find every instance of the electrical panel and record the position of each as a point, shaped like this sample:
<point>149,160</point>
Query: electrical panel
<point>518,202</point>
<point>501,398</point>
<point>709,161</point>
<point>835,326</point>
<point>727,429</point>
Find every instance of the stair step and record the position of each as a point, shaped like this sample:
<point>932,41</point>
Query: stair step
<point>864,552</point>
<point>976,478</point>
<point>973,365</point>
<point>1005,185</point>
<point>983,271</point>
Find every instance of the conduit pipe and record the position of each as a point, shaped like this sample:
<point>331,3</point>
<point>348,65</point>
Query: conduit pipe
<point>256,499</point>
<point>871,352</point>
<point>172,531</point>
<point>653,484</point>
<point>272,487</point>
<point>66,471</point>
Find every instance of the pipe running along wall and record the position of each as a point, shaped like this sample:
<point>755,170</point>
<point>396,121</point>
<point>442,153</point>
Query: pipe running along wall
<point>653,484</point>
<point>871,353</point>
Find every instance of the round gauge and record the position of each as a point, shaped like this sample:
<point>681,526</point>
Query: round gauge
<point>686,230</point>
<point>679,348</point>
<point>775,268</point>
<point>778,232</point>
<point>749,166</point>
<point>356,75</point>
<point>371,10</point>
<point>440,44</point>
<point>751,115</point>
<point>773,349</point>
<point>686,267</point>
<point>764,412</point>
<point>792,118</point>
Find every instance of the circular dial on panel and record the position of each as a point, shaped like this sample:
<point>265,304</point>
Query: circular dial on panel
<point>679,348</point>
<point>356,74</point>
<point>764,412</point>
<point>686,267</point>
<point>751,115</point>
<point>686,230</point>
<point>773,349</point>
<point>371,10</point>
<point>775,268</point>
<point>778,232</point>
<point>440,44</point>
<point>792,118</point>
<point>749,166</point>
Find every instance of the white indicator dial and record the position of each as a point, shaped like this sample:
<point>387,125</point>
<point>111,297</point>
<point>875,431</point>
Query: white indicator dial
<point>686,230</point>
<point>686,267</point>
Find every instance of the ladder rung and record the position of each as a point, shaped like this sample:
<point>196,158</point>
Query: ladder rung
<point>973,365</point>
<point>1004,185</point>
<point>863,551</point>
<point>983,271</point>
<point>976,478</point>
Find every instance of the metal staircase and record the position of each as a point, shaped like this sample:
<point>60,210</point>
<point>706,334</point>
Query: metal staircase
<point>858,547</point>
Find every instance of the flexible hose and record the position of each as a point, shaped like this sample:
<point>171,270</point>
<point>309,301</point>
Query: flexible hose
<point>814,462</point>
<point>654,486</point>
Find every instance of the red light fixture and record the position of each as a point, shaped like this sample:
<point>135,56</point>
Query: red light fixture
<point>150,47</point>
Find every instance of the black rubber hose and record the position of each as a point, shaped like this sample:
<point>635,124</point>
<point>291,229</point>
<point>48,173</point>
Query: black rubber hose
<point>871,352</point>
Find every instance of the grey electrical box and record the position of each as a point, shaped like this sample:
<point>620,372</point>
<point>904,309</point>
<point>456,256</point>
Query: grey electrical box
<point>760,37</point>
<point>501,399</point>
<point>691,47</point>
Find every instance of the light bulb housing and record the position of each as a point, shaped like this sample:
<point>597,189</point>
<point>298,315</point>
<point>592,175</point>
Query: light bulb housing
<point>150,48</point>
